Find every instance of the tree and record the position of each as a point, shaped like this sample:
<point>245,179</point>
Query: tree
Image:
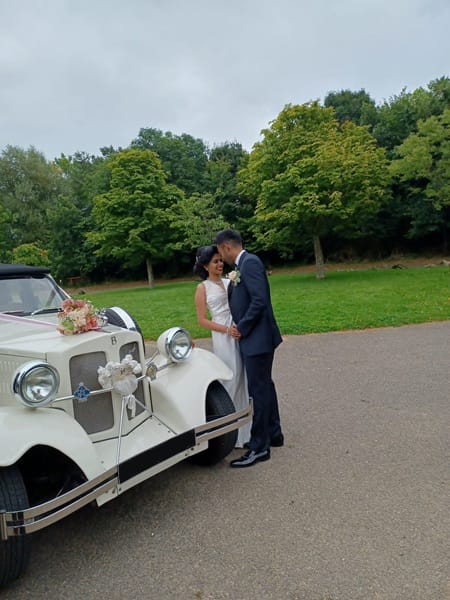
<point>422,165</point>
<point>30,254</point>
<point>183,157</point>
<point>358,107</point>
<point>225,160</point>
<point>5,238</point>
<point>195,222</point>
<point>132,218</point>
<point>440,91</point>
<point>85,176</point>
<point>398,117</point>
<point>311,175</point>
<point>29,186</point>
<point>70,254</point>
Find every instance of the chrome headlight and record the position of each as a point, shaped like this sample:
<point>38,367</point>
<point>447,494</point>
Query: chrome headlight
<point>36,384</point>
<point>175,343</point>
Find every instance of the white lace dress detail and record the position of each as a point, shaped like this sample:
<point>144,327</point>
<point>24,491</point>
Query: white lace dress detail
<point>227,348</point>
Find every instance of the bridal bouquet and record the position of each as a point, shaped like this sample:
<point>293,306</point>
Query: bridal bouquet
<point>77,316</point>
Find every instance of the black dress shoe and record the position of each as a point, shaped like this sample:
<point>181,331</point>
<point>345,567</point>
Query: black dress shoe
<point>250,458</point>
<point>277,441</point>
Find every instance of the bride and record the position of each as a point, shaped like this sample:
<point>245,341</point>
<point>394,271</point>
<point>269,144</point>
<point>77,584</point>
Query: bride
<point>211,296</point>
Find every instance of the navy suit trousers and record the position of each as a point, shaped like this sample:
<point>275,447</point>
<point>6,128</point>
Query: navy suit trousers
<point>266,416</point>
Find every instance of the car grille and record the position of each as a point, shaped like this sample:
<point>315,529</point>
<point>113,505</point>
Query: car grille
<point>7,368</point>
<point>97,414</point>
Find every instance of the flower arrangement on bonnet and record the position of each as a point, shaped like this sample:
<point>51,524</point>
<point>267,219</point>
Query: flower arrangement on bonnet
<point>78,316</point>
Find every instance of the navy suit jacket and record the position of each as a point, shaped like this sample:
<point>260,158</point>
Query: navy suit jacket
<point>251,308</point>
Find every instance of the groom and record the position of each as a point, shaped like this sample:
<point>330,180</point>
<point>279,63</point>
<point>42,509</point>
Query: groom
<point>258,333</point>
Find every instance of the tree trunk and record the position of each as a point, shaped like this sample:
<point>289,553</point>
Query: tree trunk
<point>320,273</point>
<point>151,279</point>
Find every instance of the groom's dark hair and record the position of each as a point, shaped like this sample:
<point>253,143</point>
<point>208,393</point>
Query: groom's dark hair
<point>228,235</point>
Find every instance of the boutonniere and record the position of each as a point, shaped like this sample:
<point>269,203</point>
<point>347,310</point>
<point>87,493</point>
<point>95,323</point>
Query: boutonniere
<point>234,276</point>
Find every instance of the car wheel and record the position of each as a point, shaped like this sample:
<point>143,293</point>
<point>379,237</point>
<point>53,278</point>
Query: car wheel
<point>218,404</point>
<point>15,551</point>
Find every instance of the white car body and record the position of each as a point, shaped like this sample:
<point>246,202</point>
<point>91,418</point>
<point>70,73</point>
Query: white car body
<point>82,450</point>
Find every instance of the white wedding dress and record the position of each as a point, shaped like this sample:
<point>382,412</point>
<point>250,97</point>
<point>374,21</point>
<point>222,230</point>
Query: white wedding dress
<point>227,348</point>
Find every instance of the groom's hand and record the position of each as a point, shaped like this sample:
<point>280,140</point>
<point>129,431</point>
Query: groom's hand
<point>234,332</point>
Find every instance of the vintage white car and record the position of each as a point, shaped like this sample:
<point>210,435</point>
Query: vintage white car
<point>84,417</point>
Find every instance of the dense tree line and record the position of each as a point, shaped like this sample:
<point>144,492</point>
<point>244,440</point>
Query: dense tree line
<point>336,179</point>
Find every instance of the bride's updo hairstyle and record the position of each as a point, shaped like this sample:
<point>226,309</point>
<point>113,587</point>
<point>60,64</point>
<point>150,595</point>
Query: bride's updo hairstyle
<point>204,257</point>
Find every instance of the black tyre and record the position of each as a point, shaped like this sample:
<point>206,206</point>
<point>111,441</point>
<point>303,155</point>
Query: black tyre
<point>15,551</point>
<point>218,404</point>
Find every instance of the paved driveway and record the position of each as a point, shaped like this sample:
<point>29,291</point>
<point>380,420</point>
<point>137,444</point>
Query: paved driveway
<point>354,507</point>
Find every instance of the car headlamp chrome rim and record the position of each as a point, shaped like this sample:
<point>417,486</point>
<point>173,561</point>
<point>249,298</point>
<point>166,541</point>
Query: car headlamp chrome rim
<point>36,383</point>
<point>176,344</point>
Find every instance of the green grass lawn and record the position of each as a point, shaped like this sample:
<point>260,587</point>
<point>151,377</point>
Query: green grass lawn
<point>302,304</point>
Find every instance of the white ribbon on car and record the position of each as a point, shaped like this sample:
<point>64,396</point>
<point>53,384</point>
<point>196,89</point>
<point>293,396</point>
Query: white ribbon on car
<point>122,378</point>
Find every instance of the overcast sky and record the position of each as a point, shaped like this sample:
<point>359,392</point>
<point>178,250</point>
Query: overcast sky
<point>82,74</point>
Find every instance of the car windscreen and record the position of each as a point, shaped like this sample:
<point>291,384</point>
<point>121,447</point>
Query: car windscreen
<point>28,294</point>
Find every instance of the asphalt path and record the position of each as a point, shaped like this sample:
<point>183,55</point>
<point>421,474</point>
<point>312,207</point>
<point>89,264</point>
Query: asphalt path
<point>355,506</point>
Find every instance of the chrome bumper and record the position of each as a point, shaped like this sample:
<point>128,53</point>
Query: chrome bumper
<point>37,517</point>
<point>22,522</point>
